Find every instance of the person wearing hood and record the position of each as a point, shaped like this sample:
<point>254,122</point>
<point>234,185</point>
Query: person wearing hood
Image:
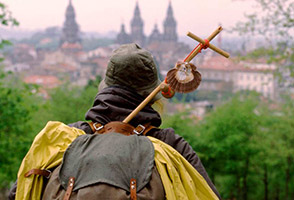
<point>130,77</point>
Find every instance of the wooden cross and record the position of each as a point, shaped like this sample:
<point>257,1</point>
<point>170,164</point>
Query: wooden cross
<point>203,44</point>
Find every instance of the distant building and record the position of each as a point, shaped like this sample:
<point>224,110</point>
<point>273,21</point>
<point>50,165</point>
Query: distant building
<point>97,60</point>
<point>24,53</point>
<point>137,30</point>
<point>258,77</point>
<point>62,65</point>
<point>217,74</point>
<point>224,75</point>
<point>43,80</point>
<point>17,67</point>
<point>70,39</point>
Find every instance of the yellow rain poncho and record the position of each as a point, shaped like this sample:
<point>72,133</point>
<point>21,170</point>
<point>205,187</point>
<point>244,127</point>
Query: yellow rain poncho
<point>46,152</point>
<point>180,179</point>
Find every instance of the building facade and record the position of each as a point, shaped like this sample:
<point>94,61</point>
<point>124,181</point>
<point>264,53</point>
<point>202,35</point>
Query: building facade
<point>224,75</point>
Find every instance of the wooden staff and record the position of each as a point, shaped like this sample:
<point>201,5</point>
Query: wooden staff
<point>163,85</point>
<point>144,103</point>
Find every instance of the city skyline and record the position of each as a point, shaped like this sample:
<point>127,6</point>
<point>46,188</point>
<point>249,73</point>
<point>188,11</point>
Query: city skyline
<point>95,16</point>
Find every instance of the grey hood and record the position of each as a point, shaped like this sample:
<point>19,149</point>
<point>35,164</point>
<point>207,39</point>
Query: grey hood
<point>115,103</point>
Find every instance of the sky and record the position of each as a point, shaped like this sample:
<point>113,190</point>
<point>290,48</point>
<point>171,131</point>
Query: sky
<point>198,16</point>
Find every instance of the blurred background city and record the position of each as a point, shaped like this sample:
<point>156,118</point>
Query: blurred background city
<point>240,120</point>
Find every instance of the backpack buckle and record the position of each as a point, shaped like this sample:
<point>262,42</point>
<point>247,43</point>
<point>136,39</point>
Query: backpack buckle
<point>99,126</point>
<point>49,175</point>
<point>139,129</point>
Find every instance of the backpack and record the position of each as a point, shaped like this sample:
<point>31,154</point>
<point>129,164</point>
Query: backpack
<point>172,177</point>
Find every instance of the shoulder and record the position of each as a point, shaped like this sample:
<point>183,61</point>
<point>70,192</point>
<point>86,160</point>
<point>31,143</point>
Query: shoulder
<point>166,135</point>
<point>83,126</point>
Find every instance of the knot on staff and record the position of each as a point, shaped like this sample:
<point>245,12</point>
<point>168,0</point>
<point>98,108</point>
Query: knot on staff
<point>205,45</point>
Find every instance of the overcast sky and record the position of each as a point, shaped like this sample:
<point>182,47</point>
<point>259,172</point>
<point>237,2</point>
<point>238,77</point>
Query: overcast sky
<point>198,16</point>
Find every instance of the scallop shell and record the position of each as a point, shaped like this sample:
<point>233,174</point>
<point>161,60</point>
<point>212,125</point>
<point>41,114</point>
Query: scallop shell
<point>184,78</point>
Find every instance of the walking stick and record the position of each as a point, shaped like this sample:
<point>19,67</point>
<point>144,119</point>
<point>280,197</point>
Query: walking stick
<point>182,73</point>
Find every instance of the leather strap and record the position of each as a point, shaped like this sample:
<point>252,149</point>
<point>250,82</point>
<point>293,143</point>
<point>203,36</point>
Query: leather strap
<point>148,128</point>
<point>42,172</point>
<point>69,189</point>
<point>143,129</point>
<point>133,189</point>
<point>120,127</point>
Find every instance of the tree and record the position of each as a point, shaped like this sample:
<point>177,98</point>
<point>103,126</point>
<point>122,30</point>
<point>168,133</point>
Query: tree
<point>16,107</point>
<point>6,19</point>
<point>66,104</point>
<point>183,125</point>
<point>224,140</point>
<point>280,128</point>
<point>274,21</point>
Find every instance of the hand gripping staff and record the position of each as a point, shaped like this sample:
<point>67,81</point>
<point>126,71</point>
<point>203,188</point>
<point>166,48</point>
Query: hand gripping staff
<point>183,77</point>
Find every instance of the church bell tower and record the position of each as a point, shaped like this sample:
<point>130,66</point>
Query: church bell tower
<point>70,38</point>
<point>170,26</point>
<point>137,25</point>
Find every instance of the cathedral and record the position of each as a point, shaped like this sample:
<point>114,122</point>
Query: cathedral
<point>137,35</point>
<point>165,47</point>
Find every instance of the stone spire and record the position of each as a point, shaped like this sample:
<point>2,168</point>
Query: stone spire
<point>137,24</point>
<point>155,35</point>
<point>70,30</point>
<point>123,37</point>
<point>170,26</point>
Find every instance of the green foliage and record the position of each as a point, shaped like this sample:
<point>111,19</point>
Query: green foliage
<point>67,104</point>
<point>94,83</point>
<point>273,20</point>
<point>183,125</point>
<point>16,107</point>
<point>6,18</point>
<point>23,114</point>
<point>246,146</point>
<point>226,134</point>
<point>270,18</point>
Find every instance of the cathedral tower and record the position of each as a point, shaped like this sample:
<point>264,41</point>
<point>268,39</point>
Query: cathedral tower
<point>137,24</point>
<point>70,31</point>
<point>155,35</point>
<point>123,37</point>
<point>170,26</point>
